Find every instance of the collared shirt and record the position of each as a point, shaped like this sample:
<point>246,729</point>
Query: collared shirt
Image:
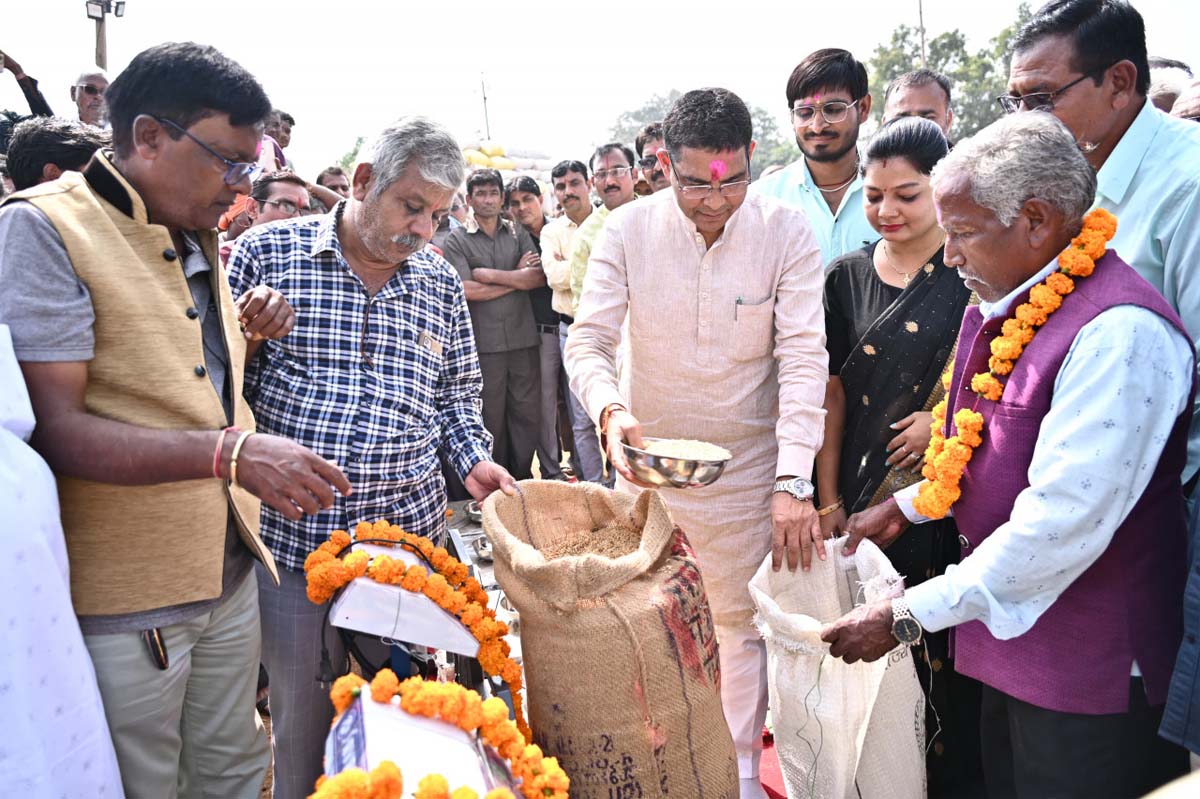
<point>581,250</point>
<point>837,233</point>
<point>725,344</point>
<point>377,384</point>
<point>542,298</point>
<point>558,239</point>
<point>1091,464</point>
<point>505,323</point>
<point>1151,181</point>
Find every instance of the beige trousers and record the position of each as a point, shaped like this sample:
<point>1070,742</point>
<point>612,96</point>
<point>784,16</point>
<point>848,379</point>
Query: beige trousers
<point>190,731</point>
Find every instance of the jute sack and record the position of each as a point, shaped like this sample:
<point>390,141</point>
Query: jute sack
<point>842,730</point>
<point>620,655</point>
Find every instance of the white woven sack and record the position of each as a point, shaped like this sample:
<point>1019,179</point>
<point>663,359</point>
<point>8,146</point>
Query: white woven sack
<point>842,731</point>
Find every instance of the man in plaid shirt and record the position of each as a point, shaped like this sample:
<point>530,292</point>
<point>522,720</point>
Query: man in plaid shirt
<point>379,374</point>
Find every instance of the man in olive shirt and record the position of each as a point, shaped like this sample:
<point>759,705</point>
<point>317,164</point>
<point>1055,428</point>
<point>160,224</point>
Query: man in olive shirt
<point>499,266</point>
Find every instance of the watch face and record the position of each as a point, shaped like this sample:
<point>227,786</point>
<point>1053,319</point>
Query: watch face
<point>906,630</point>
<point>801,488</point>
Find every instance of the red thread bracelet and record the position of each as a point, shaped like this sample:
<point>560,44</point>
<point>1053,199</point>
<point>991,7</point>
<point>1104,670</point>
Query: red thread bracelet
<point>221,446</point>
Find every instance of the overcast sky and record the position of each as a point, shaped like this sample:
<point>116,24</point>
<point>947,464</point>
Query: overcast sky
<point>558,73</point>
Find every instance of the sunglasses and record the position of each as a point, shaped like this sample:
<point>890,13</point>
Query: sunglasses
<point>235,171</point>
<point>648,162</point>
<point>90,90</point>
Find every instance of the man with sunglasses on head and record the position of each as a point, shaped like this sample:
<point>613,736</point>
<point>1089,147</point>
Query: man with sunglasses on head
<point>721,293</point>
<point>130,346</point>
<point>828,101</point>
<point>647,144</point>
<point>1085,61</point>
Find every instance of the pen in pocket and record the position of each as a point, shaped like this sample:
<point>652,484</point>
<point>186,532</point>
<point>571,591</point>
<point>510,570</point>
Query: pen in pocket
<point>737,306</point>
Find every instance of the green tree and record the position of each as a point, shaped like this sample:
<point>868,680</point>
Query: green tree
<point>772,147</point>
<point>977,78</point>
<point>347,160</point>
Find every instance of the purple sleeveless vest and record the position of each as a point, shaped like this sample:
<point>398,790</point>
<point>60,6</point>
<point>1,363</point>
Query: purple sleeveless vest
<point>1129,604</point>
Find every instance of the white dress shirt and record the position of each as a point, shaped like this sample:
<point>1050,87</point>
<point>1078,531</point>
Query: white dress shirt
<point>1123,384</point>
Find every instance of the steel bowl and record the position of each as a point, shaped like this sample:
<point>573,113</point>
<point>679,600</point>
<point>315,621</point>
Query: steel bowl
<point>664,472</point>
<point>474,513</point>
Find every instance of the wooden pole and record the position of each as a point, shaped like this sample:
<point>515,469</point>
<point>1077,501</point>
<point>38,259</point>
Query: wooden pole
<point>101,43</point>
<point>921,15</point>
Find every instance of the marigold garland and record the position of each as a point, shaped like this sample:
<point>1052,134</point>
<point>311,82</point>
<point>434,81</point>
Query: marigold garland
<point>541,777</point>
<point>450,586</point>
<point>947,458</point>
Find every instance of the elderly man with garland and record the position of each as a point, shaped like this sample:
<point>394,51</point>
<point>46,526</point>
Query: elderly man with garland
<point>1059,447</point>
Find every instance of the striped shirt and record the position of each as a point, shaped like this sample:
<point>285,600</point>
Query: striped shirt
<point>379,385</point>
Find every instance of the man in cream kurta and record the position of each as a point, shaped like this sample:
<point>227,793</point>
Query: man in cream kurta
<point>725,345</point>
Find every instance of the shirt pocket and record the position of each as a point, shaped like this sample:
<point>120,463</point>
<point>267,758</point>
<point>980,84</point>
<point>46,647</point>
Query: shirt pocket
<point>753,329</point>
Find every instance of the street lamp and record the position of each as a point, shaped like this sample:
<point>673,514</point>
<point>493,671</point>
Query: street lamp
<point>98,10</point>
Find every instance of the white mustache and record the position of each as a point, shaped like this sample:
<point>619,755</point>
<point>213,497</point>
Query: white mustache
<point>409,241</point>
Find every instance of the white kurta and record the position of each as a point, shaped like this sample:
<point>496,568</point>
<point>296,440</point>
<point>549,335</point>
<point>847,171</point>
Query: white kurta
<point>725,344</point>
<point>55,741</point>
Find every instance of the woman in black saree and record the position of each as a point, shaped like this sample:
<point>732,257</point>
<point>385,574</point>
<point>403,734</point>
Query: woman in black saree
<point>892,313</point>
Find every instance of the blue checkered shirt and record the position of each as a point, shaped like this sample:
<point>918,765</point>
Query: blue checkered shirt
<point>376,384</point>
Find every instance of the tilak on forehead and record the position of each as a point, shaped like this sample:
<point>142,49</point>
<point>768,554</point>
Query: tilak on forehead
<point>717,168</point>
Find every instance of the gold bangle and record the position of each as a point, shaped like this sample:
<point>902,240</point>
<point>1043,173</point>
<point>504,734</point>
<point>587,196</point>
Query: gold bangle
<point>828,509</point>
<point>237,449</point>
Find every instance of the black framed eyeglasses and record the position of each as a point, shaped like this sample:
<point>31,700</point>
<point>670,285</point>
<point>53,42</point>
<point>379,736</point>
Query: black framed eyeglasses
<point>287,206</point>
<point>1039,101</point>
<point>235,171</point>
<point>648,162</point>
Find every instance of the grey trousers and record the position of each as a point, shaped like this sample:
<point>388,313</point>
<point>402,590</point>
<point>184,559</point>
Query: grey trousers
<point>511,406</point>
<point>300,708</point>
<point>549,451</point>
<point>587,440</point>
<point>190,730</point>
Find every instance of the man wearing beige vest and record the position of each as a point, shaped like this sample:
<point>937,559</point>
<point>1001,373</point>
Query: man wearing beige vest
<point>129,343</point>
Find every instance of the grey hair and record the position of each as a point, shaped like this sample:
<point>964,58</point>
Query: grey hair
<point>90,73</point>
<point>1021,157</point>
<point>414,140</point>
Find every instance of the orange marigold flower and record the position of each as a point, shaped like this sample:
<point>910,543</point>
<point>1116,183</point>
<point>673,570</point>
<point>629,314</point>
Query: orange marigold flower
<point>1101,221</point>
<point>987,387</point>
<point>1075,263</point>
<point>1031,315</point>
<point>432,786</point>
<point>948,376</point>
<point>1045,298</point>
<point>1060,284</point>
<point>1091,243</point>
<point>384,686</point>
<point>315,558</point>
<point>386,782</point>
<point>363,530</point>
<point>357,562</point>
<point>414,579</point>
<point>1007,348</point>
<point>344,691</point>
<point>340,539</point>
<point>999,366</point>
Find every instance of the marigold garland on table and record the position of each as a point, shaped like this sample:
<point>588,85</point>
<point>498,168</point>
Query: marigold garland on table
<point>450,586</point>
<point>541,777</point>
<point>947,458</point>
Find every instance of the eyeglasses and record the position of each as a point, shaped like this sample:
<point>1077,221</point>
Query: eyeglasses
<point>90,90</point>
<point>287,206</point>
<point>648,162</point>
<point>735,188</point>
<point>1038,101</point>
<point>833,112</point>
<point>616,172</point>
<point>235,171</point>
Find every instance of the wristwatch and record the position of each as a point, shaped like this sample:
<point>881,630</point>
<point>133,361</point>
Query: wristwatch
<point>904,626</point>
<point>798,487</point>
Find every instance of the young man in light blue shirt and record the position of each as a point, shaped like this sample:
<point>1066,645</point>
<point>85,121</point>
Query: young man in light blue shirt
<point>828,100</point>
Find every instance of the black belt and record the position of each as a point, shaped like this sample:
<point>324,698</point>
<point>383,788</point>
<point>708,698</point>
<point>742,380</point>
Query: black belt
<point>547,328</point>
<point>570,320</point>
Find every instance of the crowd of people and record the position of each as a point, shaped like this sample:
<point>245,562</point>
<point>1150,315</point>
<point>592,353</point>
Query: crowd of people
<point>977,354</point>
